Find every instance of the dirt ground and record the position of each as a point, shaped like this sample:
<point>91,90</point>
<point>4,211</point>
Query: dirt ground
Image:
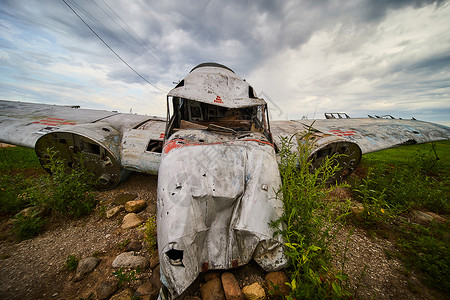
<point>34,268</point>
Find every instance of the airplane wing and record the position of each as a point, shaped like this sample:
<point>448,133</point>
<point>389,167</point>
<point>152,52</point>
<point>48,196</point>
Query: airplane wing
<point>354,137</point>
<point>111,141</point>
<point>370,134</point>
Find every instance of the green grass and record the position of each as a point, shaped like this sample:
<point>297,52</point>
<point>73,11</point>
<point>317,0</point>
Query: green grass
<point>23,184</point>
<point>392,183</point>
<point>18,158</point>
<point>406,177</point>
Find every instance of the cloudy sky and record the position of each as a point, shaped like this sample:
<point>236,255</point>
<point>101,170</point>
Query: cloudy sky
<point>304,57</point>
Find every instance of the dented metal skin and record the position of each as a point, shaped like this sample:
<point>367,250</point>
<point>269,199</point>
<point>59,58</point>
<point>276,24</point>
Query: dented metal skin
<point>216,199</point>
<point>216,160</point>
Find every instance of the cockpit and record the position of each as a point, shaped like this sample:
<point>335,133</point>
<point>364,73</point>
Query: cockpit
<point>190,114</point>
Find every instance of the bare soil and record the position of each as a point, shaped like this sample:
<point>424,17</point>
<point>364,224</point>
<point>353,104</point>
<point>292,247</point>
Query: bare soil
<point>34,268</point>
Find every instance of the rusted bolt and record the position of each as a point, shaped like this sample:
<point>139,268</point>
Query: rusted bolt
<point>205,266</point>
<point>234,263</point>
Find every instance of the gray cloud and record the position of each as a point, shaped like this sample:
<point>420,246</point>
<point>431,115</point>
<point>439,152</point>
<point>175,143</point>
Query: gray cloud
<point>173,36</point>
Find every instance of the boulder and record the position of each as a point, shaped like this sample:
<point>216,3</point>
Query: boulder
<point>145,289</point>
<point>107,288</point>
<point>212,290</point>
<point>231,287</point>
<point>123,295</point>
<point>85,266</point>
<point>154,260</point>
<point>155,278</point>
<point>113,211</point>
<point>130,260</point>
<point>131,220</point>
<point>254,292</point>
<point>421,216</point>
<point>135,206</point>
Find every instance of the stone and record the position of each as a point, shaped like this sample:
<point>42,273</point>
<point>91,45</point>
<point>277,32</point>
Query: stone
<point>211,275</point>
<point>192,298</point>
<point>231,287</point>
<point>212,290</point>
<point>155,278</point>
<point>32,211</point>
<point>151,208</point>
<point>154,260</point>
<point>134,246</point>
<point>107,288</point>
<point>130,260</point>
<point>145,289</point>
<point>131,220</point>
<point>124,198</point>
<point>277,279</point>
<point>436,217</point>
<point>113,211</point>
<point>254,292</point>
<point>85,266</point>
<point>123,295</point>
<point>135,206</point>
<point>422,216</point>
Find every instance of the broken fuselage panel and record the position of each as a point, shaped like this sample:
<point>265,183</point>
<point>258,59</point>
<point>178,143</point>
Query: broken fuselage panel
<point>218,180</point>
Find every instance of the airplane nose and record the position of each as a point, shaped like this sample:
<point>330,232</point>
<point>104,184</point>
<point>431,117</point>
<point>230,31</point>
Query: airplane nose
<point>215,205</point>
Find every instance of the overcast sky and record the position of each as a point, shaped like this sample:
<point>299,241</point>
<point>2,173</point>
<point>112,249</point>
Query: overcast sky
<point>304,58</point>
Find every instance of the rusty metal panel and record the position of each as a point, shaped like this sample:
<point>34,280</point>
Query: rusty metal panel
<point>370,134</point>
<point>217,86</point>
<point>216,199</point>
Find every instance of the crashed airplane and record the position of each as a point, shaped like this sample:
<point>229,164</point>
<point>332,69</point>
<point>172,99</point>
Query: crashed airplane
<point>216,158</point>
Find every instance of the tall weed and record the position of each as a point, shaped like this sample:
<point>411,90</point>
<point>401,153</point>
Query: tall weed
<point>309,223</point>
<point>70,186</point>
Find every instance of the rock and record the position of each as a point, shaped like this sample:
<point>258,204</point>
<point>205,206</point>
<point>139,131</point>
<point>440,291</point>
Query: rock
<point>211,275</point>
<point>422,216</point>
<point>436,217</point>
<point>107,288</point>
<point>85,266</point>
<point>254,292</point>
<point>277,279</point>
<point>124,198</point>
<point>154,260</point>
<point>231,287</point>
<point>145,289</point>
<point>113,211</point>
<point>32,211</point>
<point>212,290</point>
<point>155,278</point>
<point>129,260</point>
<point>135,206</point>
<point>123,295</point>
<point>131,220</point>
<point>151,208</point>
<point>192,298</point>
<point>134,246</point>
